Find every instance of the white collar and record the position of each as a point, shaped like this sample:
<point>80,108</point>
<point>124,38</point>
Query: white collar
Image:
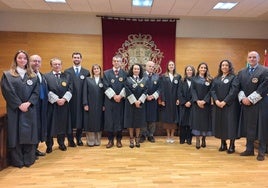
<point>21,71</point>
<point>79,67</point>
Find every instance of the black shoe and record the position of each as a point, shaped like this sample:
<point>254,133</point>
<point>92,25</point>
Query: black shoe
<point>231,147</point>
<point>71,144</point>
<point>182,141</point>
<point>189,142</point>
<point>247,153</point>
<point>142,138</point>
<point>39,153</point>
<point>16,165</point>
<point>62,147</point>
<point>231,150</point>
<point>28,165</point>
<point>260,157</point>
<point>197,145</point>
<point>80,143</point>
<point>223,146</point>
<point>203,144</point>
<point>49,150</point>
<point>137,142</point>
<point>150,139</point>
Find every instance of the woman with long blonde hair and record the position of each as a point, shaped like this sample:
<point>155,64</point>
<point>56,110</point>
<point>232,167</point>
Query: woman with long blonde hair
<point>20,88</point>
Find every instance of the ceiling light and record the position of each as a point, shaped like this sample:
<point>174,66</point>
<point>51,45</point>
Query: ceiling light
<point>224,6</point>
<point>142,3</point>
<point>55,1</point>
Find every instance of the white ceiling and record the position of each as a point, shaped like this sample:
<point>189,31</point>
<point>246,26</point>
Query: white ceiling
<point>245,9</point>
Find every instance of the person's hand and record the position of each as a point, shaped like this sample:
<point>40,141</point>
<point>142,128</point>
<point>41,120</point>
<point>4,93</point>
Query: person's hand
<point>150,97</point>
<point>138,104</point>
<point>246,101</point>
<point>86,107</point>
<point>188,104</point>
<point>117,98</point>
<point>220,104</point>
<point>217,102</point>
<point>61,101</point>
<point>201,103</point>
<point>24,106</point>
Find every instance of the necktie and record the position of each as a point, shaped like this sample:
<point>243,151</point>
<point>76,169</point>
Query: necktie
<point>42,91</point>
<point>251,70</point>
<point>57,75</point>
<point>150,76</point>
<point>76,72</point>
<point>116,72</point>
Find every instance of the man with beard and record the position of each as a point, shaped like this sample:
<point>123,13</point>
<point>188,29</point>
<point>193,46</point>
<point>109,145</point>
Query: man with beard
<point>77,74</point>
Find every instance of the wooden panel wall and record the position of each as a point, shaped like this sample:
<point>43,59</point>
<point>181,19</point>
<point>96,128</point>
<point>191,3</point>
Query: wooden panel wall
<point>188,50</point>
<point>192,51</point>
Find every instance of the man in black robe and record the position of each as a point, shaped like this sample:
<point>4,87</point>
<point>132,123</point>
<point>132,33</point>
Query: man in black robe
<point>59,94</point>
<point>77,74</point>
<point>113,82</point>
<point>151,103</point>
<point>35,62</point>
<point>253,88</point>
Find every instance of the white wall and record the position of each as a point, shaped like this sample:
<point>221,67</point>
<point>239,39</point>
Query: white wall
<point>90,24</point>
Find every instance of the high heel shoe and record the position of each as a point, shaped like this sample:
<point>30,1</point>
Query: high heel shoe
<point>131,143</point>
<point>197,143</point>
<point>137,141</point>
<point>223,146</point>
<point>231,147</point>
<point>203,144</point>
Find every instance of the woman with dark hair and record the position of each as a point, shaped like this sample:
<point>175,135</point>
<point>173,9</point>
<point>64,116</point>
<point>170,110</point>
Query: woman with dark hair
<point>93,102</point>
<point>169,87</point>
<point>225,114</point>
<point>20,88</point>
<point>201,109</point>
<point>136,91</point>
<point>186,105</point>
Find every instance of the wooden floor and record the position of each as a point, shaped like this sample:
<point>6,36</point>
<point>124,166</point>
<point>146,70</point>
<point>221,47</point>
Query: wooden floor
<point>153,165</point>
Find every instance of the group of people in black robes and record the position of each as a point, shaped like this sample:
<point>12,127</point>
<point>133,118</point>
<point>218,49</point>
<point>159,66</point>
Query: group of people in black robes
<point>43,106</point>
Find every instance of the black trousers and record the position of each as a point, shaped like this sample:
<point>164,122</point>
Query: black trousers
<point>78,135</point>
<point>60,140</point>
<point>118,134</point>
<point>250,146</point>
<point>22,155</point>
<point>185,133</point>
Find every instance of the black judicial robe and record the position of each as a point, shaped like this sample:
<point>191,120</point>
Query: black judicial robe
<point>114,112</point>
<point>169,94</point>
<point>225,120</point>
<point>135,117</point>
<point>152,85</point>
<point>76,106</point>
<point>201,117</point>
<point>185,96</point>
<point>251,124</point>
<point>93,96</point>
<point>59,121</point>
<point>22,126</point>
